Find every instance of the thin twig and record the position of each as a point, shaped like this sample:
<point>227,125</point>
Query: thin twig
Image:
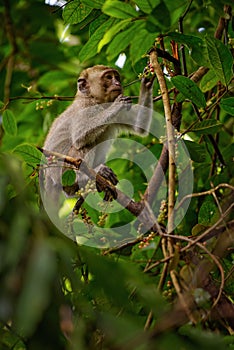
<point>204,193</point>
<point>170,138</point>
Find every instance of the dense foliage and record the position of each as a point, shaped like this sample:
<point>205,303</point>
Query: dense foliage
<point>152,291</point>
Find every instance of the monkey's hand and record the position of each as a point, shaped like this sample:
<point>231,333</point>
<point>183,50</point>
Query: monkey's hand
<point>147,83</point>
<point>126,101</point>
<point>109,175</point>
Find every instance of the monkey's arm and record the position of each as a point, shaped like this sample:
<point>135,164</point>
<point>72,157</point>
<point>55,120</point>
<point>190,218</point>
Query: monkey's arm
<point>145,106</point>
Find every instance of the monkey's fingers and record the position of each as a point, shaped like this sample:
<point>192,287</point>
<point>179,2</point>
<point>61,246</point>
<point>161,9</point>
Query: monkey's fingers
<point>148,81</point>
<point>125,100</point>
<point>110,193</point>
<point>108,174</point>
<point>109,196</point>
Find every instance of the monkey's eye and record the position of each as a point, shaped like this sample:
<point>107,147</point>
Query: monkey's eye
<point>109,76</point>
<point>117,77</point>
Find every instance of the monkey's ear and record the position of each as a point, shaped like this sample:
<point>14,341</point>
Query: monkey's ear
<point>83,85</point>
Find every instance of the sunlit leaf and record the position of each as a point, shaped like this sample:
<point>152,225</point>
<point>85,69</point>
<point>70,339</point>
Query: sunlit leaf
<point>122,40</point>
<point>115,29</point>
<point>75,12</point>
<point>119,9</point>
<point>147,5</point>
<point>90,48</point>
<point>97,4</point>
<point>140,44</point>
<point>29,153</point>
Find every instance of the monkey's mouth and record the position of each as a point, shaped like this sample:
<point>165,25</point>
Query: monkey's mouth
<point>117,90</point>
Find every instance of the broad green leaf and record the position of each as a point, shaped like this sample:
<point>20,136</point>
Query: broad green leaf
<point>122,40</point>
<point>115,29</point>
<point>75,12</point>
<point>30,154</point>
<point>92,17</point>
<point>189,89</point>
<point>96,4</point>
<point>147,5</point>
<point>206,127</point>
<point>196,151</point>
<point>97,22</point>
<point>208,213</point>
<point>9,123</point>
<point>227,104</point>
<point>119,9</point>
<point>220,59</point>
<point>209,80</point>
<point>140,44</point>
<point>196,46</point>
<point>188,40</point>
<point>90,48</point>
<point>159,12</point>
<point>68,178</point>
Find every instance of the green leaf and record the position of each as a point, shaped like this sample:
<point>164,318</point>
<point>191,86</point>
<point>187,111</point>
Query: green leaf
<point>90,48</point>
<point>190,90</point>
<point>208,81</point>
<point>220,59</point>
<point>115,29</point>
<point>206,127</point>
<point>30,154</point>
<point>96,4</point>
<point>208,213</point>
<point>119,9</point>
<point>68,178</point>
<point>140,44</point>
<point>122,40</point>
<point>9,123</point>
<point>196,46</point>
<point>97,22</point>
<point>75,12</point>
<point>159,12</point>
<point>147,5</point>
<point>227,104</point>
<point>196,151</point>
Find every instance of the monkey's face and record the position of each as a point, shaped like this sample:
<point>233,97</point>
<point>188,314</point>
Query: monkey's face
<point>110,82</point>
<point>100,82</point>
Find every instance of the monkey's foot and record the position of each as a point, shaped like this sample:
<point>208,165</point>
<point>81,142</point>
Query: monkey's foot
<point>108,174</point>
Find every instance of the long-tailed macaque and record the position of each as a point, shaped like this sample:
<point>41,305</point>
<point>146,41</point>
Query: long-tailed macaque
<point>98,113</point>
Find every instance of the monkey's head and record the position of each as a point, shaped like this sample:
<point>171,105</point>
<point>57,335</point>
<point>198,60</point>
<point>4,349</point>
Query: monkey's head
<point>101,83</point>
